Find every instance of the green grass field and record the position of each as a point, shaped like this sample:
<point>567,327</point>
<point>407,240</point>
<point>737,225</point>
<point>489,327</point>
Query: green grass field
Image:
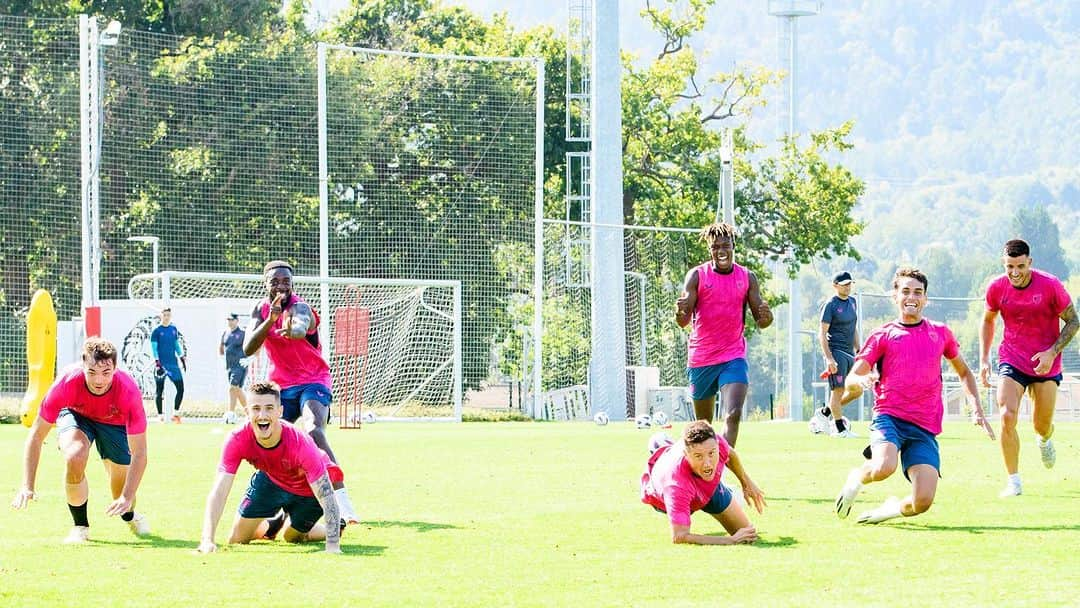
<point>547,514</point>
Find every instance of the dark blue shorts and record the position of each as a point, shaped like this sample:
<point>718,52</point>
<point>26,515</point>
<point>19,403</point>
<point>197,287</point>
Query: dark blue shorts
<point>1004,369</point>
<point>720,500</point>
<point>844,362</point>
<point>110,439</point>
<point>264,498</point>
<point>916,444</point>
<point>237,373</point>
<point>705,381</point>
<point>294,397</point>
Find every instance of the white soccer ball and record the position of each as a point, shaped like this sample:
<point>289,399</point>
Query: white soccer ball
<point>659,418</point>
<point>820,425</point>
<point>601,418</point>
<point>643,421</point>
<point>229,417</point>
<point>369,418</point>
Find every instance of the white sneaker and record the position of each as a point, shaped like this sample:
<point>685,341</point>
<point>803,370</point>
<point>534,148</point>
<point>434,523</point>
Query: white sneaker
<point>1047,451</point>
<point>1011,489</point>
<point>888,510</point>
<point>849,492</point>
<point>657,441</point>
<point>78,535</point>
<point>820,422</point>
<point>140,525</point>
<point>845,434</point>
<point>348,513</point>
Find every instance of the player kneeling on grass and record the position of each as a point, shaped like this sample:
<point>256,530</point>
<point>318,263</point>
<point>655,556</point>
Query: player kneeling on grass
<point>682,478</point>
<point>92,403</point>
<point>292,474</point>
<point>908,409</point>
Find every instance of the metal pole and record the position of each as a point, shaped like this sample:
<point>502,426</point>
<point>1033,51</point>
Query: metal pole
<point>324,198</point>
<point>85,51</point>
<point>154,245</point>
<point>538,248</point>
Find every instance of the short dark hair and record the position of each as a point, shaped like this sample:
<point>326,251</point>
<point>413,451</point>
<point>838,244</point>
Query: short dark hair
<point>914,273</point>
<point>166,309</point>
<point>719,230</point>
<point>98,350</point>
<point>1015,248</point>
<point>266,388</point>
<point>697,432</point>
<point>275,264</point>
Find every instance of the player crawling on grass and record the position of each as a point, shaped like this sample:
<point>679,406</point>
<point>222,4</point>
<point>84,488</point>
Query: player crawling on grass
<point>908,409</point>
<point>92,403</point>
<point>682,478</point>
<point>292,475</point>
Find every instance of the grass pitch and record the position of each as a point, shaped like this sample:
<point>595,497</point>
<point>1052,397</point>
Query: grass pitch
<point>547,514</point>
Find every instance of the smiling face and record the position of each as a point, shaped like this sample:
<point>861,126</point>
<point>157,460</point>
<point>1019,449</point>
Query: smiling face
<point>99,375</point>
<point>1018,269</point>
<point>279,282</point>
<point>722,253</point>
<point>703,458</point>
<point>910,298</point>
<point>264,416</point>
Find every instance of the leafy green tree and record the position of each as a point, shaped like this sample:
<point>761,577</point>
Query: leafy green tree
<point>1034,225</point>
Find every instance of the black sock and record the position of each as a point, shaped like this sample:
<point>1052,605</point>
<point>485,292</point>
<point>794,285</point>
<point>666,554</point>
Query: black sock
<point>78,514</point>
<point>275,524</point>
<point>839,425</point>
<point>825,411</point>
<point>130,515</point>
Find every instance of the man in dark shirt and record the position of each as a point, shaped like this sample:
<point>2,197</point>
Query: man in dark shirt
<point>232,346</point>
<point>838,336</point>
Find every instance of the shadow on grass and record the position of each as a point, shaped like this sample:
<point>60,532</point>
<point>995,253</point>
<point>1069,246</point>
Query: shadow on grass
<point>419,526</point>
<point>783,541</point>
<point>977,529</point>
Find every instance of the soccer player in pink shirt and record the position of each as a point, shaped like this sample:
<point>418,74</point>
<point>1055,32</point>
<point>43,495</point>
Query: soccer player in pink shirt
<point>1032,305</point>
<point>288,327</point>
<point>906,354</point>
<point>682,478</point>
<point>92,403</point>
<point>292,474</point>
<point>714,301</point>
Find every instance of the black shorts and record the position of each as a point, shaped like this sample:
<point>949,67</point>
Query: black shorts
<point>237,373</point>
<point>844,362</point>
<point>1004,369</point>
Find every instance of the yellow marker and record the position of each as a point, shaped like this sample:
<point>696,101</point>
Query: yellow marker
<point>40,354</point>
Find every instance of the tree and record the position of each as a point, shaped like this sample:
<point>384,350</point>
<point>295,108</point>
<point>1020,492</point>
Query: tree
<point>1035,226</point>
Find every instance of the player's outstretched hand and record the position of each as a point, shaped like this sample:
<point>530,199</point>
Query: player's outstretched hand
<point>207,546</point>
<point>745,536</point>
<point>119,506</point>
<point>22,499</point>
<point>984,375</point>
<point>981,420</point>
<point>754,496</point>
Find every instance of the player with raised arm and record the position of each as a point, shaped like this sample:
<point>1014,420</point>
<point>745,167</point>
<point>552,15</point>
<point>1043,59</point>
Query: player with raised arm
<point>1040,320</point>
<point>908,409</point>
<point>288,327</point>
<point>292,475</point>
<point>682,478</point>
<point>92,403</point>
<point>715,298</point>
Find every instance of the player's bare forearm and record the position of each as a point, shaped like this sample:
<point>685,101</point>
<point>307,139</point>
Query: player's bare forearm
<point>215,505</point>
<point>257,332</point>
<point>986,337</point>
<point>324,493</point>
<point>1072,323</point>
<point>683,535</point>
<point>32,451</point>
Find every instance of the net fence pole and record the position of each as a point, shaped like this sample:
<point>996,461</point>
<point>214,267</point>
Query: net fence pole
<point>324,203</point>
<point>538,249</point>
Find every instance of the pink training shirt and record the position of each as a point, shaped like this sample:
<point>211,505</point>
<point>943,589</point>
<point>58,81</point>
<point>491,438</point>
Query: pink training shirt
<point>669,484</point>
<point>1032,318</point>
<point>120,405</point>
<point>294,362</point>
<point>908,358</point>
<point>293,464</point>
<point>716,330</point>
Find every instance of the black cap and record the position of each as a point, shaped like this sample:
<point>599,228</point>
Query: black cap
<point>842,278</point>
<point>233,317</point>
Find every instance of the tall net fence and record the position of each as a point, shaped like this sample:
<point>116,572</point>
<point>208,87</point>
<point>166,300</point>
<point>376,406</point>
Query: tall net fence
<point>39,178</point>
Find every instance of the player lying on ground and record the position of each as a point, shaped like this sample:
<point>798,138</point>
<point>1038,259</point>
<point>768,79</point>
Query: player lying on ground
<point>92,403</point>
<point>685,477</point>
<point>292,475</point>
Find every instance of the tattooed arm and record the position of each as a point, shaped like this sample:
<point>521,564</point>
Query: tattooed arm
<point>324,493</point>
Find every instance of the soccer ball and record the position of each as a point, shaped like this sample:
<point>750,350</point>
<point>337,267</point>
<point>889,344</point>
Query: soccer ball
<point>659,418</point>
<point>643,421</point>
<point>230,417</point>
<point>601,418</point>
<point>369,418</point>
<point>820,425</point>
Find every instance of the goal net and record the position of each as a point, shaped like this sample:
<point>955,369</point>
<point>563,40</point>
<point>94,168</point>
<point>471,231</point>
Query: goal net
<point>394,346</point>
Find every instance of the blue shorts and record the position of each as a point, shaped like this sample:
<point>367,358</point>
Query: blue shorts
<point>1004,369</point>
<point>264,498</point>
<point>916,444</point>
<point>237,373</point>
<point>705,381</point>
<point>110,439</point>
<point>720,500</point>
<point>844,362</point>
<point>294,397</point>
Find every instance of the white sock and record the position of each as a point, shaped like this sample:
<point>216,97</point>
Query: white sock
<point>1014,479</point>
<point>891,508</point>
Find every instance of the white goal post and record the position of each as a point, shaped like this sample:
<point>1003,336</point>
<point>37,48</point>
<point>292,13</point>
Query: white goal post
<point>394,345</point>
